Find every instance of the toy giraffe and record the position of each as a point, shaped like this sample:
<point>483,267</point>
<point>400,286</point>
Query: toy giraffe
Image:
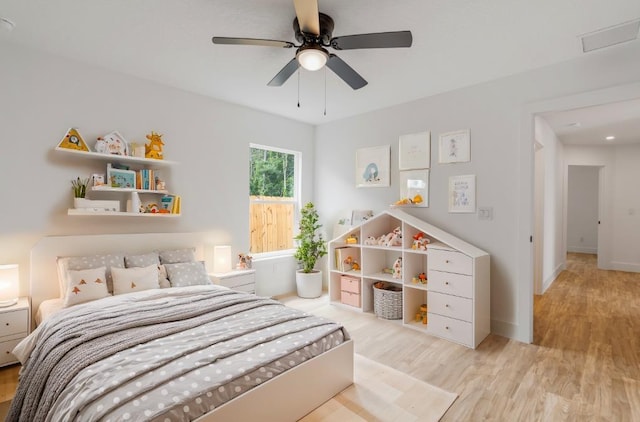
<point>154,148</point>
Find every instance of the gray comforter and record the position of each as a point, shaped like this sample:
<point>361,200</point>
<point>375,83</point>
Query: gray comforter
<point>165,354</point>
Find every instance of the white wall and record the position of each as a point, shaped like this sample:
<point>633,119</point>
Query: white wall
<point>582,209</point>
<point>495,113</point>
<point>626,210</point>
<point>41,96</point>
<point>554,260</point>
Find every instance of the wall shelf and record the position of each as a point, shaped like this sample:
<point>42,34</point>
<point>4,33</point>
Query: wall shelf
<point>74,211</point>
<point>110,189</point>
<point>90,155</point>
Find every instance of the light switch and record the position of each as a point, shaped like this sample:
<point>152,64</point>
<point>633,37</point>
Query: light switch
<point>485,213</point>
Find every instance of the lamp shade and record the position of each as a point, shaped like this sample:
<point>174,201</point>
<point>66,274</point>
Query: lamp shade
<point>221,259</point>
<point>8,284</point>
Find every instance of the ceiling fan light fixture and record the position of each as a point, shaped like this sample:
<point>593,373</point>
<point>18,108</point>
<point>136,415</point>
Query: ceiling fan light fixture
<point>312,58</point>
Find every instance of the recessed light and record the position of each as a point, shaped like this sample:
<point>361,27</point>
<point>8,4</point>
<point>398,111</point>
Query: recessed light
<point>610,138</point>
<point>6,24</point>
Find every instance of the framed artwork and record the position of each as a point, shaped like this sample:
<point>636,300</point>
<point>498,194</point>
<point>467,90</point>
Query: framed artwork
<point>462,194</point>
<point>414,188</point>
<point>118,178</point>
<point>372,167</point>
<point>360,216</point>
<point>455,147</point>
<point>73,140</point>
<point>415,151</point>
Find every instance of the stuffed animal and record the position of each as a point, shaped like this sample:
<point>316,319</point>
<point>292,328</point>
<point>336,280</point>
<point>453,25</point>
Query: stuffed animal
<point>370,241</point>
<point>420,242</point>
<point>394,238</point>
<point>397,268</point>
<point>154,148</point>
<point>421,315</point>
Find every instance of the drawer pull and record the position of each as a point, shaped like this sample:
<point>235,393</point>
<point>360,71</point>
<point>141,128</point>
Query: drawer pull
<point>446,283</point>
<point>446,305</point>
<point>7,324</point>
<point>446,261</point>
<point>7,352</point>
<point>446,327</point>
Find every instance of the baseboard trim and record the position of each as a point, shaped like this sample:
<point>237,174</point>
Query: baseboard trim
<point>625,266</point>
<point>579,249</point>
<point>549,281</point>
<point>504,329</point>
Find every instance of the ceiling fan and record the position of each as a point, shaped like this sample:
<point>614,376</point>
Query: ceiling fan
<point>314,32</point>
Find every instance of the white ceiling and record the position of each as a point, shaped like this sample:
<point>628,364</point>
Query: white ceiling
<point>591,125</point>
<point>456,43</point>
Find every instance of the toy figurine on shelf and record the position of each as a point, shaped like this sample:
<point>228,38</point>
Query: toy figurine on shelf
<point>420,242</point>
<point>154,148</point>
<point>422,314</point>
<point>352,239</point>
<point>244,261</point>
<point>419,278</point>
<point>397,268</point>
<point>355,266</point>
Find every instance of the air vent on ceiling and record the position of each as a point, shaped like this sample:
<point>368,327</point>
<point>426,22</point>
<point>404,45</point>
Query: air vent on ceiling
<point>613,35</point>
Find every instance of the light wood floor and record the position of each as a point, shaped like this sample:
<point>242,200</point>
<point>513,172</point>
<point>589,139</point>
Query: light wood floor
<point>584,366</point>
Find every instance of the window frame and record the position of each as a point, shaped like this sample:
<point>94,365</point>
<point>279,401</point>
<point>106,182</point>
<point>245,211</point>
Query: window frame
<point>296,200</point>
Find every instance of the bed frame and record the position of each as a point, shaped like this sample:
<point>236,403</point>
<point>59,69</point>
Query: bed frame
<point>288,397</point>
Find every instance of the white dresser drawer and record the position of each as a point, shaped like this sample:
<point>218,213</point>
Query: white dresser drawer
<point>451,306</point>
<point>450,261</point>
<point>6,357</point>
<point>14,323</point>
<point>450,329</point>
<point>242,280</point>
<point>450,283</point>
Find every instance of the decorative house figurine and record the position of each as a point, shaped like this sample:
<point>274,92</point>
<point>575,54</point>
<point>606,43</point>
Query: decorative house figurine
<point>112,143</point>
<point>154,148</point>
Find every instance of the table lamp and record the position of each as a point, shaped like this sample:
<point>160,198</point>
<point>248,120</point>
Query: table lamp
<point>221,259</point>
<point>8,285</point>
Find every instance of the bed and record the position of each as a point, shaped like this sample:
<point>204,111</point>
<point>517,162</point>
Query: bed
<point>202,353</point>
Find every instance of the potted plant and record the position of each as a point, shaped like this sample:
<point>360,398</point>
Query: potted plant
<point>79,188</point>
<point>311,247</point>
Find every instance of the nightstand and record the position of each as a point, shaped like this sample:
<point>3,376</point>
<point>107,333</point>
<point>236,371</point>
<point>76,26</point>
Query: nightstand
<point>14,326</point>
<point>242,280</point>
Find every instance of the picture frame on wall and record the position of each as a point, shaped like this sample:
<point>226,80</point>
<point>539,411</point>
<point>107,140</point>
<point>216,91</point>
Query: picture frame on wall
<point>360,216</point>
<point>121,179</point>
<point>372,167</point>
<point>414,151</point>
<point>462,194</point>
<point>455,147</point>
<point>414,188</point>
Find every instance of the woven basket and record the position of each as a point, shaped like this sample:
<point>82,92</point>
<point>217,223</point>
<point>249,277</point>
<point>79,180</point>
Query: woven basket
<point>387,304</point>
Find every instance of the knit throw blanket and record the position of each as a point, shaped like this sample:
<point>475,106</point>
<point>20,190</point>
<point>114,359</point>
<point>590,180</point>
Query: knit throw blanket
<point>89,334</point>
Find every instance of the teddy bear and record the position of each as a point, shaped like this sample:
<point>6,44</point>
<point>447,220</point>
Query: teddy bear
<point>370,240</point>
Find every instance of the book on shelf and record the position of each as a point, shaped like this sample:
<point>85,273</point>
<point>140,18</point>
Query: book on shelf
<point>166,202</point>
<point>176,205</point>
<point>346,257</point>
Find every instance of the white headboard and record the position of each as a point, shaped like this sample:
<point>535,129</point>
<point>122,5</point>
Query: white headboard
<point>43,280</point>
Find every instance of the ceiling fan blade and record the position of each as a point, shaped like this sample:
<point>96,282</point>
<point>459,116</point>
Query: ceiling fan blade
<point>252,41</point>
<point>377,40</point>
<point>345,72</point>
<point>307,13</point>
<point>285,73</point>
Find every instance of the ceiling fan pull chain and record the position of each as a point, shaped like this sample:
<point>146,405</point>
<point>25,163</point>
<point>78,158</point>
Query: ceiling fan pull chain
<point>298,88</point>
<point>325,90</point>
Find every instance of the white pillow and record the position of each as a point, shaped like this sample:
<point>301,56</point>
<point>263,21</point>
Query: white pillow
<point>136,279</point>
<point>85,285</point>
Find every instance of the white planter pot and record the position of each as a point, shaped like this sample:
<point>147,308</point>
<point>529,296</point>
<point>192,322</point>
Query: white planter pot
<point>81,203</point>
<point>309,285</point>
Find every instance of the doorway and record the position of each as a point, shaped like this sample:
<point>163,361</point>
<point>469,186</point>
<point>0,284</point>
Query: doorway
<point>583,208</point>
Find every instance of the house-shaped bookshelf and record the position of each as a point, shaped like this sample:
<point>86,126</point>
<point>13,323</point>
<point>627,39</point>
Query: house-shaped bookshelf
<point>456,291</point>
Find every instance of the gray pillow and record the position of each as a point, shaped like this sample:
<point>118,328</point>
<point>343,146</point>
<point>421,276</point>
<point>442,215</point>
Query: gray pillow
<point>77,263</point>
<point>177,255</point>
<point>187,274</point>
<point>144,260</point>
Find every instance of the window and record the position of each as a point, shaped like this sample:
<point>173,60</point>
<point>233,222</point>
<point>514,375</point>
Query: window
<point>274,186</point>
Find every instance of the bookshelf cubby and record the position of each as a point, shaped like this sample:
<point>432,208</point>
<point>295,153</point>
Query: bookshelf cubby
<point>457,289</point>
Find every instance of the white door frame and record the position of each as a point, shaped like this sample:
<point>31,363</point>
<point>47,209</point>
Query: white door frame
<point>524,305</point>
